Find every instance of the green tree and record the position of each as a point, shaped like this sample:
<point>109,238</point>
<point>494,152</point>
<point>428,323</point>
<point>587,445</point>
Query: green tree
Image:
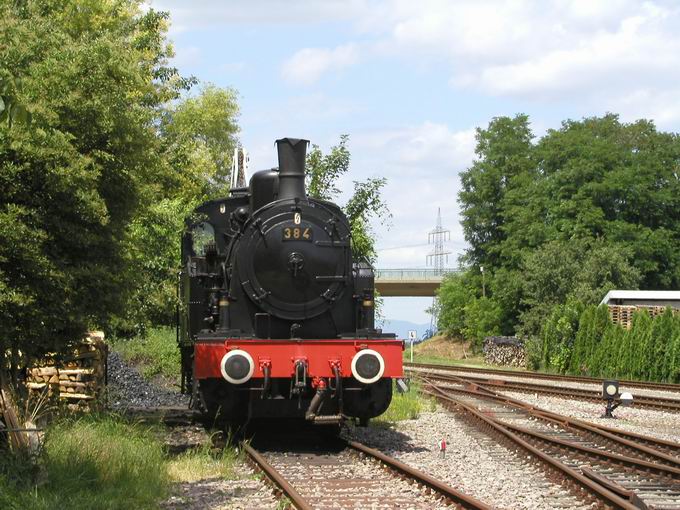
<point>503,151</point>
<point>589,207</point>
<point>199,134</point>
<point>365,204</point>
<point>631,358</point>
<point>604,179</point>
<point>94,76</point>
<point>605,357</point>
<point>580,269</point>
<point>482,319</point>
<point>454,294</point>
<point>11,110</point>
<point>558,334</point>
<point>593,325</point>
<point>660,343</point>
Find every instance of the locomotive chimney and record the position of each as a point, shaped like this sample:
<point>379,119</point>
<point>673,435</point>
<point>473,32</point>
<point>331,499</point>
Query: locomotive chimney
<point>292,154</point>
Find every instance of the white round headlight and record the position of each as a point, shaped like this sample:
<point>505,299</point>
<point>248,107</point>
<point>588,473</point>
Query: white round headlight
<point>237,366</point>
<point>368,366</point>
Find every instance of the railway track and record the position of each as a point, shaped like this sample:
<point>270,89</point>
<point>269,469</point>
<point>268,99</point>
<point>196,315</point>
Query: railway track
<point>645,385</point>
<point>343,474</point>
<point>643,401</point>
<point>616,468</point>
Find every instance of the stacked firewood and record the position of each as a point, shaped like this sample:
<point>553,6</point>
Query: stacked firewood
<point>78,378</point>
<point>504,350</point>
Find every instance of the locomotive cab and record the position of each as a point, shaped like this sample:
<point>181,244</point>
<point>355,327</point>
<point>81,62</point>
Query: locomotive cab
<point>277,316</point>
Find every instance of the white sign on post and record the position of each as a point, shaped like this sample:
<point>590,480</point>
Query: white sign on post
<point>412,336</point>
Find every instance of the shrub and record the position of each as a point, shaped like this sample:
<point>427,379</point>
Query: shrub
<point>155,354</point>
<point>482,319</point>
<point>558,334</point>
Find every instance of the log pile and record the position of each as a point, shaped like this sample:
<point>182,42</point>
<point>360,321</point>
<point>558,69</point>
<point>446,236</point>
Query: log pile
<point>77,378</point>
<point>505,351</point>
<point>623,314</point>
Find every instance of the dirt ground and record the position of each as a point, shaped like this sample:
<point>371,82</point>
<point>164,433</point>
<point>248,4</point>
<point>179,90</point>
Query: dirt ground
<point>444,347</point>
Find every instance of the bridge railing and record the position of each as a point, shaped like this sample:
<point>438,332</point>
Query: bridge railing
<point>410,274</point>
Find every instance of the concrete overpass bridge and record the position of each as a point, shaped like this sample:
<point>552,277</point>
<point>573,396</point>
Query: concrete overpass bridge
<point>407,282</point>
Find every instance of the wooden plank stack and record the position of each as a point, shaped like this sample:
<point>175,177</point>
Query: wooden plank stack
<point>77,378</point>
<point>505,351</point>
<point>623,314</point>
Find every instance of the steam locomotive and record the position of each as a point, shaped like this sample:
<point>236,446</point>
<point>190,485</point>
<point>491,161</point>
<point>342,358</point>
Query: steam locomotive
<point>277,316</point>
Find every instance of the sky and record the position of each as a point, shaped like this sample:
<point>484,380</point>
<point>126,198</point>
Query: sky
<point>410,82</point>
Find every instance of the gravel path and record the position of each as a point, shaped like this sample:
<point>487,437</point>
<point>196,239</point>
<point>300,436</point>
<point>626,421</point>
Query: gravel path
<point>474,463</point>
<point>127,388</point>
<point>650,422</point>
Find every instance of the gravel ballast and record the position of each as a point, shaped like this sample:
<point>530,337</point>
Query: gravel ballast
<point>127,388</point>
<point>650,422</point>
<point>248,492</point>
<point>475,463</point>
<point>525,377</point>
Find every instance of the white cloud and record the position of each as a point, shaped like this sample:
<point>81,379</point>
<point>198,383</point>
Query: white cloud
<point>421,164</point>
<point>199,14</point>
<point>307,65</point>
<point>593,51</point>
<point>427,147</point>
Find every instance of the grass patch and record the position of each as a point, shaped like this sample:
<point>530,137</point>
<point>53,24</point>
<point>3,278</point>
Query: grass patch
<point>202,463</point>
<point>105,462</point>
<point>155,354</point>
<point>406,406</point>
<point>93,462</point>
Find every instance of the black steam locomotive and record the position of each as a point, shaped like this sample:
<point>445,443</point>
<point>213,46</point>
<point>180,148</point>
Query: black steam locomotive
<point>277,316</point>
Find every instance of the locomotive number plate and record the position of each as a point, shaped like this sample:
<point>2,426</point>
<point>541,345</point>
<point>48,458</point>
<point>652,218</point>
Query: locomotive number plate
<point>297,233</point>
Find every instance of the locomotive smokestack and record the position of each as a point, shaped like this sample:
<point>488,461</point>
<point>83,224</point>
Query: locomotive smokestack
<point>292,154</point>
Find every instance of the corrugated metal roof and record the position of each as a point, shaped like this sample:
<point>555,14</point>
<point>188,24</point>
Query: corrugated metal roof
<point>651,295</point>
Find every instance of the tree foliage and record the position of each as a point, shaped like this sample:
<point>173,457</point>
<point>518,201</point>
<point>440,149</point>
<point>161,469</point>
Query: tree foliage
<point>93,189</point>
<point>323,171</point>
<point>588,343</point>
<point>588,207</point>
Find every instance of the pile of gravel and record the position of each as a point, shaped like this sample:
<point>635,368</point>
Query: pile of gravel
<point>128,389</point>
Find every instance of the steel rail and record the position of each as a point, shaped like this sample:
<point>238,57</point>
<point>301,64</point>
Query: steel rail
<point>641,464</point>
<point>599,491</point>
<point>441,488</point>
<point>458,498</point>
<point>275,477</point>
<point>541,375</point>
<point>645,401</point>
<point>632,441</point>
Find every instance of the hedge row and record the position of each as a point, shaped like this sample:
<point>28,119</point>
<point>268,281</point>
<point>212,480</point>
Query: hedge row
<point>583,341</point>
